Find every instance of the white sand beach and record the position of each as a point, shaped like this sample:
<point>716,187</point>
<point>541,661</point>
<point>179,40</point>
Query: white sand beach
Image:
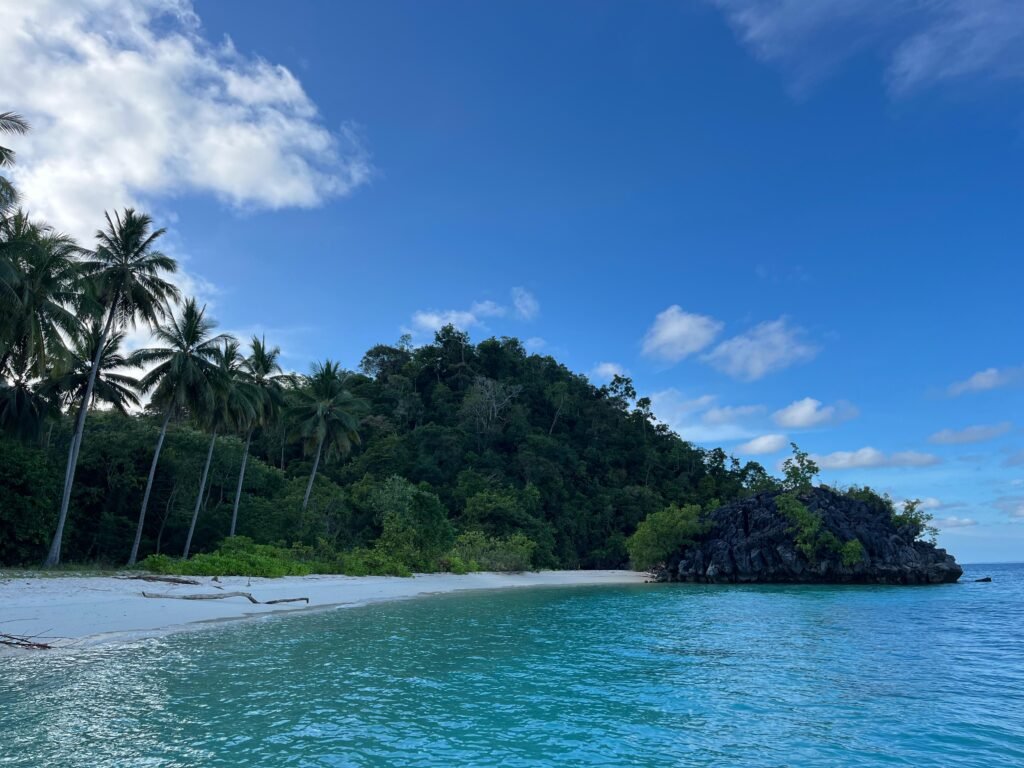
<point>76,611</point>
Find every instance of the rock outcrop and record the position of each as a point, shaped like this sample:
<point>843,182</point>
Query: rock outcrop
<point>753,541</point>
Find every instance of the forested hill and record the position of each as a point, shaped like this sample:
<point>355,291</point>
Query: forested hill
<point>493,439</point>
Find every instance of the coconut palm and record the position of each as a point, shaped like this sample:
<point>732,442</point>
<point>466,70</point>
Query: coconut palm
<point>326,414</point>
<point>234,406</point>
<point>10,123</point>
<point>184,370</point>
<point>42,293</point>
<point>125,275</point>
<point>267,382</point>
<point>113,387</point>
<point>24,405</point>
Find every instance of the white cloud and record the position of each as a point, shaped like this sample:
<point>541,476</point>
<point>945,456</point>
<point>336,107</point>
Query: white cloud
<point>763,444</point>
<point>990,378</point>
<point>607,371</point>
<point>975,434</point>
<point>812,413</point>
<point>535,344</point>
<point>526,304</point>
<point>698,419</point>
<point>676,334</point>
<point>130,105</point>
<point>728,414</point>
<point>954,522</point>
<point>923,41</point>
<point>763,349</point>
<point>930,504</point>
<point>872,457</point>
<point>426,321</point>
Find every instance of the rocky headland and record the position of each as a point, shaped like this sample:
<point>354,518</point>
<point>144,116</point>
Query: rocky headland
<point>829,538</point>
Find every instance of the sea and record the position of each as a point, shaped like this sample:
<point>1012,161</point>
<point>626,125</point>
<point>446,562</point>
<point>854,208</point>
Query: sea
<point>652,675</point>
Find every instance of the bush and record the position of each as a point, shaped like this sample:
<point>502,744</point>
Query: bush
<point>477,551</point>
<point>240,556</point>
<point>414,524</point>
<point>916,520</point>
<point>806,527</point>
<point>664,533</point>
<point>852,552</point>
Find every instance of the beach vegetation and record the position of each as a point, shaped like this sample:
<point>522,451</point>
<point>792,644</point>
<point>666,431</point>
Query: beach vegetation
<point>664,533</point>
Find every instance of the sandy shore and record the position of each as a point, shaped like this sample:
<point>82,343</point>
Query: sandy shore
<point>74,611</point>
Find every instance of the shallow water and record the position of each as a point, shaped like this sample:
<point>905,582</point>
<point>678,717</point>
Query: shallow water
<point>651,675</point>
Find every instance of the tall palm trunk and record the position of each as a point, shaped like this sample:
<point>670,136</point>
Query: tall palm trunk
<point>149,486</point>
<point>199,496</point>
<point>241,479</point>
<point>312,475</point>
<point>53,558</point>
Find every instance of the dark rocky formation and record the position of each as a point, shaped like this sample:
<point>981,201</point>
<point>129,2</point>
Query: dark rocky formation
<point>752,541</point>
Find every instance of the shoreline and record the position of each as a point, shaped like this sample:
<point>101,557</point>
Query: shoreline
<point>71,612</point>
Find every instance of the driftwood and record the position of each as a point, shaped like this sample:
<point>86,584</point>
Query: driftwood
<point>168,579</point>
<point>248,596</point>
<point>23,642</point>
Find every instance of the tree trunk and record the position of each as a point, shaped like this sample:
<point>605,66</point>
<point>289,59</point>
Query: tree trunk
<point>241,479</point>
<point>149,487</point>
<point>199,496</point>
<point>53,558</point>
<point>312,475</point>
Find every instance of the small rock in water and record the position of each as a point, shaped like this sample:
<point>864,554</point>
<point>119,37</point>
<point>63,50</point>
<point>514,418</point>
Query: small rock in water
<point>987,578</point>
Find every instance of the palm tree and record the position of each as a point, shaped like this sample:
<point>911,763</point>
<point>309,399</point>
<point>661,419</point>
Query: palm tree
<point>10,123</point>
<point>112,387</point>
<point>125,277</point>
<point>42,293</point>
<point>185,367</point>
<point>326,414</point>
<point>267,383</point>
<point>233,407</point>
<point>24,405</point>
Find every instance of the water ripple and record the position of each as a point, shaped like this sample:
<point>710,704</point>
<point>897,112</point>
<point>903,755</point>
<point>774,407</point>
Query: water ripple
<point>675,675</point>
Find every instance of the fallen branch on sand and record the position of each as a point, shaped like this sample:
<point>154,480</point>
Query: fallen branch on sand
<point>220,596</point>
<point>168,579</point>
<point>23,642</point>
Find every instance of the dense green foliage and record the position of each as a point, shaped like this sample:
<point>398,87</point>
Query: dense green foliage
<point>450,455</point>
<point>664,532</point>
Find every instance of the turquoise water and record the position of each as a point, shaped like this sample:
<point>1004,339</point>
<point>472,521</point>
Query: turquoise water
<point>652,675</point>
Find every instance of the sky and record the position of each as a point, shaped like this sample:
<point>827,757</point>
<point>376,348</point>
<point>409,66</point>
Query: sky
<point>786,221</point>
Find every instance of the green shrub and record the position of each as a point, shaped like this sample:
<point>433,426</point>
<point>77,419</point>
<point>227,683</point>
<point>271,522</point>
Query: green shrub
<point>480,552</point>
<point>806,527</point>
<point>915,518</point>
<point>664,533</point>
<point>852,552</point>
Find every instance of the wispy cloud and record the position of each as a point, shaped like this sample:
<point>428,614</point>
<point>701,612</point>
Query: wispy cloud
<point>809,412</point>
<point>990,378</point>
<point>766,348</point>
<point>976,434</point>
<point>430,320</point>
<point>924,42</point>
<point>945,523</point>
<point>526,305</point>
<point>1011,505</point>
<point>606,371</point>
<point>129,104</point>
<point>700,419</point>
<point>676,334</point>
<point>865,458</point>
<point>763,444</point>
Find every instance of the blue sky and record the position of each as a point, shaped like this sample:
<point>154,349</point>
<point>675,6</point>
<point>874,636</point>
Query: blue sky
<point>786,221</point>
